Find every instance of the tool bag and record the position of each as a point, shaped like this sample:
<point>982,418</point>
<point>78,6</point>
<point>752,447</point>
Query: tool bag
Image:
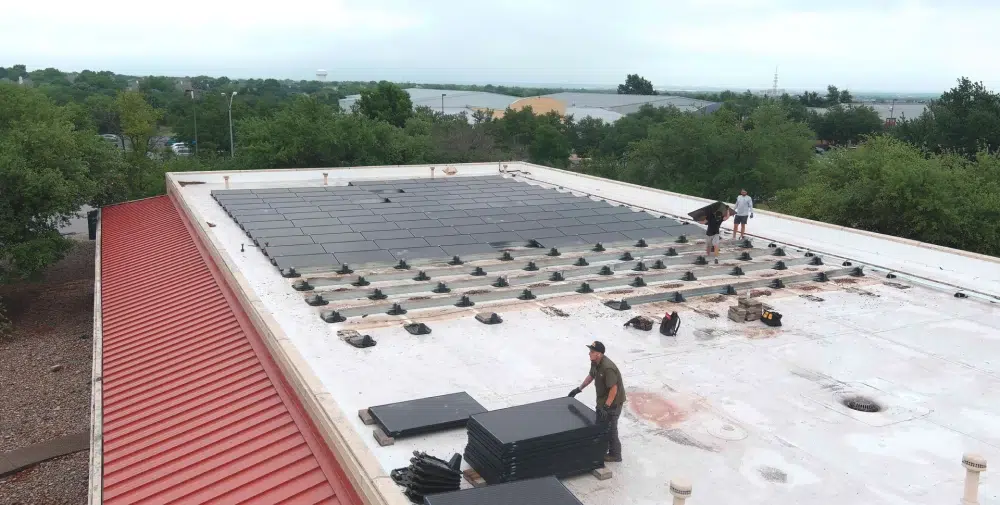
<point>640,323</point>
<point>770,318</point>
<point>671,324</point>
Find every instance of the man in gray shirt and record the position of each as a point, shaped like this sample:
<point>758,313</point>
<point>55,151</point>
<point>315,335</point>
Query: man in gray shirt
<point>744,211</point>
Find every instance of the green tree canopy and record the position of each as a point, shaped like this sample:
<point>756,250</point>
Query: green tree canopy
<point>848,124</point>
<point>386,102</point>
<point>636,85</point>
<point>966,120</point>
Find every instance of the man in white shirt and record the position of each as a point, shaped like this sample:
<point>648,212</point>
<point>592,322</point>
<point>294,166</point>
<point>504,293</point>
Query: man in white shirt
<point>744,211</point>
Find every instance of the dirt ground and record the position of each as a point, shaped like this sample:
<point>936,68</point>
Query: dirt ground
<point>45,368</point>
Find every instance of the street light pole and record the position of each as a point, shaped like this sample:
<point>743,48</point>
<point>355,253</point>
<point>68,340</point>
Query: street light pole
<point>194,107</point>
<point>442,102</point>
<point>232,146</point>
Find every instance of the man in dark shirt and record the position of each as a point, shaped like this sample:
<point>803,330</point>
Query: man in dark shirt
<point>714,222</point>
<point>610,396</point>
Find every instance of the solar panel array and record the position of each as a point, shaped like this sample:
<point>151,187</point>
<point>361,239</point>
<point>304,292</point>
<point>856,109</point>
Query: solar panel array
<point>381,222</point>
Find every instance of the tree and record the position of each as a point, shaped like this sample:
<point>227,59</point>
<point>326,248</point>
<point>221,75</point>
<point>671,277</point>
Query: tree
<point>845,96</point>
<point>845,124</point>
<point>636,85</point>
<point>888,186</point>
<point>48,170</point>
<point>138,121</point>
<point>832,96</point>
<point>549,147</point>
<point>386,102</point>
<point>966,120</point>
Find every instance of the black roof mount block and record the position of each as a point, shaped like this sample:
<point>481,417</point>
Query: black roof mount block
<point>626,257</point>
<point>316,300</point>
<point>554,252</point>
<point>700,260</point>
<point>584,288</point>
<point>417,328</point>
<point>534,243</point>
<point>506,256</point>
<point>777,284</point>
<point>821,277</point>
<point>422,276</point>
<point>464,301</point>
<point>816,260</point>
<point>745,256</point>
<point>778,252</point>
<point>289,272</point>
<point>638,282</point>
<point>689,276</point>
<point>455,260</point>
<point>780,265</point>
<point>640,267</point>
<point>658,265</point>
<point>618,304</point>
<point>641,243</point>
<point>361,281</point>
<point>478,272</point>
<point>858,272</point>
<point>606,270</point>
<point>402,265</point>
<point>737,271</point>
<point>526,295</point>
<point>682,239</point>
<point>730,290</point>
<point>598,247</point>
<point>670,252</point>
<point>531,266</point>
<point>332,316</point>
<point>581,262</point>
<point>501,282</point>
<point>377,294</point>
<point>396,310</point>
<point>557,277</point>
<point>344,270</point>
<point>441,288</point>
<point>678,297</point>
<point>301,285</point>
<point>489,318</point>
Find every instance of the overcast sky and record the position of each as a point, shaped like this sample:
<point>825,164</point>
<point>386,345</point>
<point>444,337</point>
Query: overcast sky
<point>876,45</point>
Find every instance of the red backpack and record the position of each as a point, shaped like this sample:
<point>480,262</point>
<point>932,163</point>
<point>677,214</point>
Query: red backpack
<point>671,324</point>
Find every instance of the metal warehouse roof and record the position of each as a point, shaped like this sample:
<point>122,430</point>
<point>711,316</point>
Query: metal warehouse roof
<point>194,408</point>
<point>747,413</point>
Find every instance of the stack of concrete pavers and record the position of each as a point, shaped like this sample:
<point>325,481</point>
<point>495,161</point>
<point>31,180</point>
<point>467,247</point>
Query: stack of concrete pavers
<point>747,309</point>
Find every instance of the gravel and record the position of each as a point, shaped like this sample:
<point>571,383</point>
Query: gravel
<point>45,373</point>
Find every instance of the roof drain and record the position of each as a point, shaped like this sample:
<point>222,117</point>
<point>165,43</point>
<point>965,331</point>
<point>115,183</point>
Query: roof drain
<point>861,404</point>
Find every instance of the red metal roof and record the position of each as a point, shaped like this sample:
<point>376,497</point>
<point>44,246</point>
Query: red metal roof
<point>195,409</point>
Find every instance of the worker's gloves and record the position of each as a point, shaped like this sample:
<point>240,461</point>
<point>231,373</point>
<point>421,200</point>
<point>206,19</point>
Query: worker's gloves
<point>603,415</point>
<point>574,392</point>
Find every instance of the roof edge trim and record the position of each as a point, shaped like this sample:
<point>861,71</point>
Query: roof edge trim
<point>363,473</point>
<point>95,491</point>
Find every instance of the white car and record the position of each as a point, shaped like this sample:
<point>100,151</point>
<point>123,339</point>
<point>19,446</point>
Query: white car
<point>180,149</point>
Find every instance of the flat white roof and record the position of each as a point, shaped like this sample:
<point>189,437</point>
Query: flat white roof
<point>747,413</point>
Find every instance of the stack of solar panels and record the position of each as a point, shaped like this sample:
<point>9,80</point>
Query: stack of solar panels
<point>428,475</point>
<point>544,491</point>
<point>559,437</point>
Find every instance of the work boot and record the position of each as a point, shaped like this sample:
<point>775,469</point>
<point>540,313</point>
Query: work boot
<point>612,459</point>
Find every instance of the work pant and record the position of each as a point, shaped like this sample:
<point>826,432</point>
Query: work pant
<point>614,444</point>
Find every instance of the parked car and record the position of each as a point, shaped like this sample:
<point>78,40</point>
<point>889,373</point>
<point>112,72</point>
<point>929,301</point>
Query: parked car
<point>181,149</point>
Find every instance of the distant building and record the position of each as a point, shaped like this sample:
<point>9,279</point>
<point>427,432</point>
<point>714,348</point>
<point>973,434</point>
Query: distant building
<point>607,106</point>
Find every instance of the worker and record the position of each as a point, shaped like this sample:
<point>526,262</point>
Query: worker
<point>714,221</point>
<point>610,396</point>
<point>744,211</point>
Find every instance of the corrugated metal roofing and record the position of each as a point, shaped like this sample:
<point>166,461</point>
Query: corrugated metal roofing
<point>195,410</point>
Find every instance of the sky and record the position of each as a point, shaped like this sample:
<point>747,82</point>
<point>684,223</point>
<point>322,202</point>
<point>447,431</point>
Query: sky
<point>862,45</point>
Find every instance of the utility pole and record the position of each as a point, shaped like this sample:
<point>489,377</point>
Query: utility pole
<point>232,146</point>
<point>194,107</point>
<point>442,102</point>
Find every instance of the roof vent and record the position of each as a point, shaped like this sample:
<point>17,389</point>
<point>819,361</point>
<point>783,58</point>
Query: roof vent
<point>554,252</point>
<point>501,282</point>
<point>637,282</point>
<point>417,328</point>
<point>478,272</point>
<point>455,260</point>
<point>361,281</point>
<point>332,316</point>
<point>301,285</point>
<point>778,252</point>
<point>641,243</point>
<point>626,257</point>
<point>506,256</point>
<point>377,294</point>
<point>584,288</point>
<point>464,301</point>
<point>598,247</point>
<point>316,300</point>
<point>689,276</point>
<point>402,265</point>
<point>422,276</point>
<point>861,404</point>
<point>670,252</point>
<point>682,239</point>
<point>531,266</point>
<point>526,295</point>
<point>606,270</point>
<point>618,304</point>
<point>581,262</point>
<point>396,310</point>
<point>441,288</point>
<point>640,267</point>
<point>489,318</point>
<point>557,277</point>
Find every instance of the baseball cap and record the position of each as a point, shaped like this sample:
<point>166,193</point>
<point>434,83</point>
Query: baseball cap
<point>597,346</point>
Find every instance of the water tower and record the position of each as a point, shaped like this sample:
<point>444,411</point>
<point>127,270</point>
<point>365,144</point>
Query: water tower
<point>321,75</point>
